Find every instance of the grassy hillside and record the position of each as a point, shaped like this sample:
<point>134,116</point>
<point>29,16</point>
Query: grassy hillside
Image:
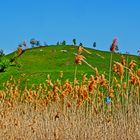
<point>96,109</point>
<point>35,64</point>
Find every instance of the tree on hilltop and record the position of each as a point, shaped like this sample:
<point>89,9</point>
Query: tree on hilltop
<point>33,42</point>
<point>58,43</point>
<point>74,42</point>
<point>1,53</point>
<point>94,44</point>
<point>64,43</point>
<point>37,43</point>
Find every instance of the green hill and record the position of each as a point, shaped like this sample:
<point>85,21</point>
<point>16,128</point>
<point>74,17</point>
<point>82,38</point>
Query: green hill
<point>35,64</point>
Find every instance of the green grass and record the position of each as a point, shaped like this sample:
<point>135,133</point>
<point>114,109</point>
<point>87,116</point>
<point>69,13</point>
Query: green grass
<point>35,65</point>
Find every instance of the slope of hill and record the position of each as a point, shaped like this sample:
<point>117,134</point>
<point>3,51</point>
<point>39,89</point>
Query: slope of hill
<point>35,64</point>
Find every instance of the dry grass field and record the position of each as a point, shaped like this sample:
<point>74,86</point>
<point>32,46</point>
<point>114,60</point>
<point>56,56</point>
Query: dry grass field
<point>24,122</point>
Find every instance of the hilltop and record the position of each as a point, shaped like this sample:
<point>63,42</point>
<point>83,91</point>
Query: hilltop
<point>36,63</point>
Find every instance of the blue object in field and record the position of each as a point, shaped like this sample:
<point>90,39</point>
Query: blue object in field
<point>108,100</point>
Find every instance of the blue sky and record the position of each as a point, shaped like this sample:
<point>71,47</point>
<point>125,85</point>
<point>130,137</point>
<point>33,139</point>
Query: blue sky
<point>57,20</point>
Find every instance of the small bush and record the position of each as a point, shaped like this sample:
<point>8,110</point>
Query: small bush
<point>64,43</point>
<point>1,53</point>
<point>4,63</point>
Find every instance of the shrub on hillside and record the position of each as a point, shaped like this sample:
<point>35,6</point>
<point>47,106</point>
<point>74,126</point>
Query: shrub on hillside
<point>4,63</point>
<point>1,53</point>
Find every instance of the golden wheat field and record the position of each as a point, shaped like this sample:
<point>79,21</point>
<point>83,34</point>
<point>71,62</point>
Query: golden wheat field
<point>97,108</point>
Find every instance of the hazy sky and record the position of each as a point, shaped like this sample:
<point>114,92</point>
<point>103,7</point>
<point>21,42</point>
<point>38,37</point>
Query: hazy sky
<point>57,20</point>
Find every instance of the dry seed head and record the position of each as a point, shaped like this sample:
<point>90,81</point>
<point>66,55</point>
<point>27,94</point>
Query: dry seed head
<point>112,49</point>
<point>124,85</point>
<point>96,72</point>
<point>76,82</point>
<point>123,60</point>
<point>120,69</point>
<point>16,93</point>
<point>3,84</point>
<point>132,64</point>
<point>61,74</point>
<point>11,78</point>
<point>67,85</point>
<point>111,93</point>
<point>2,95</point>
<point>90,101</point>
<point>138,82</point>
<point>99,100</point>
<point>100,94</point>
<point>115,68</point>
<point>138,72</point>
<point>55,89</point>
<point>48,76</point>
<point>85,93</point>
<point>115,80</point>
<point>76,89</point>
<point>79,103</point>
<point>68,104</point>
<point>79,58</point>
<point>56,97</point>
<point>7,83</point>
<point>75,96</point>
<point>81,49</point>
<point>58,82</point>
<point>84,77</point>
<point>132,79</point>
<point>63,95</point>
<point>49,82</point>
<point>92,78</point>
<point>102,80</point>
<point>91,86</point>
<point>113,46</point>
